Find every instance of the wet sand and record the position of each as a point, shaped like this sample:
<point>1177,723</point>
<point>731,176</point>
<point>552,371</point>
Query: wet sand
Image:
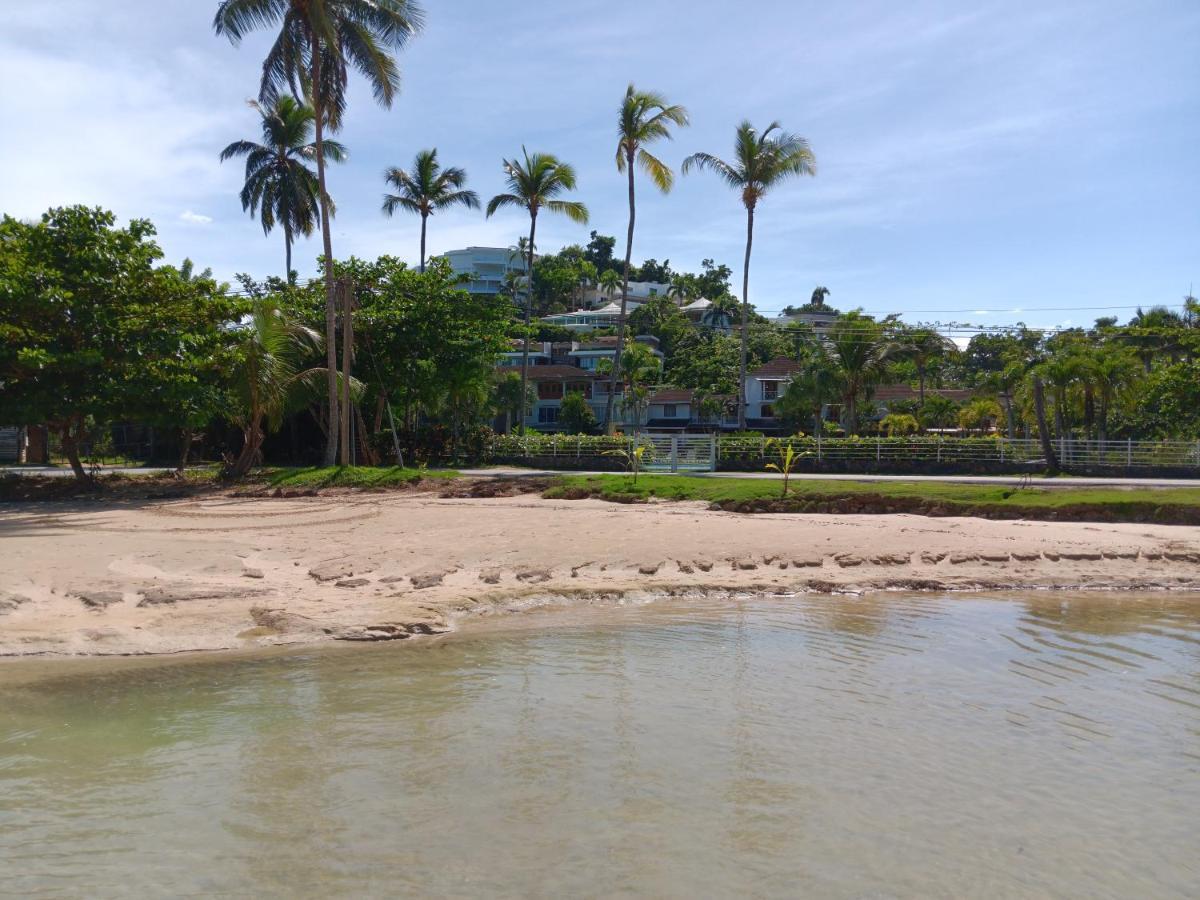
<point>222,573</point>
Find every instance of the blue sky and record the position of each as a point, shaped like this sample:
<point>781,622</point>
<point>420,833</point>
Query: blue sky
<point>981,162</point>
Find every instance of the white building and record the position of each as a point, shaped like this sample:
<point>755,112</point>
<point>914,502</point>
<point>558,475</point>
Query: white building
<point>486,266</point>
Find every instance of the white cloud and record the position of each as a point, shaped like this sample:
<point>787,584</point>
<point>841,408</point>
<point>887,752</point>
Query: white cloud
<point>194,218</point>
<point>981,312</point>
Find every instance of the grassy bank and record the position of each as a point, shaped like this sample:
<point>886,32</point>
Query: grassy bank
<point>1180,505</point>
<point>347,476</point>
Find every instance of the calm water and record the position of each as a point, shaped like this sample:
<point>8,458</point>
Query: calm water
<point>827,746</point>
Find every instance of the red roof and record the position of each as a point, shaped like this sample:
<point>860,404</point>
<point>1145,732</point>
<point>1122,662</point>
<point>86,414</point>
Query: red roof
<point>779,367</point>
<point>674,395</point>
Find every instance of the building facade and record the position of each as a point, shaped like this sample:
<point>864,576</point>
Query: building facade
<point>487,267</point>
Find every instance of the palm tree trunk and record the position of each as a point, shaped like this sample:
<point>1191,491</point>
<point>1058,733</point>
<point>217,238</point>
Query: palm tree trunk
<point>745,319</point>
<point>331,441</point>
<point>921,382</point>
<point>1010,420</point>
<point>347,354</point>
<point>612,383</point>
<point>528,310</point>
<point>424,218</point>
<point>1039,407</point>
<point>287,243</point>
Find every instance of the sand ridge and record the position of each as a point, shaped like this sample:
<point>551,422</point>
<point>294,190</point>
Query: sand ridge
<point>236,572</point>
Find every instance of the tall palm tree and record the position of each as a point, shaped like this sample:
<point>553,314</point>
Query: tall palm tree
<point>644,118</point>
<point>317,44</point>
<point>280,188</point>
<point>761,161</point>
<point>534,183</point>
<point>609,281</point>
<point>427,188</point>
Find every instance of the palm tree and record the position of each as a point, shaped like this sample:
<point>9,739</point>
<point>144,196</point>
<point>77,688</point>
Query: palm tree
<point>534,183</point>
<point>861,351</point>
<point>762,161</point>
<point>610,280</point>
<point>922,346</point>
<point>644,117</point>
<point>280,188</point>
<point>317,44</point>
<point>268,377</point>
<point>427,188</point>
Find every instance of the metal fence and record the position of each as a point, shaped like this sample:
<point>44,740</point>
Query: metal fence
<point>733,451</point>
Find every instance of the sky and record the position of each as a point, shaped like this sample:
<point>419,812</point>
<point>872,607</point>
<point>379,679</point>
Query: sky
<point>982,162</point>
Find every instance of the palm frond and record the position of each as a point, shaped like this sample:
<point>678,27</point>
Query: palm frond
<point>501,200</point>
<point>572,209</point>
<point>658,171</point>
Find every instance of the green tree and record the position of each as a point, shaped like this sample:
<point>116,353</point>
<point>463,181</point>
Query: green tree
<point>279,186</point>
<point>980,414</point>
<point>425,189</point>
<point>920,346</point>
<point>810,390</point>
<point>660,317</point>
<point>937,412</point>
<point>506,397</point>
<point>535,183</point>
<point>269,377</point>
<point>761,162</point>
<point>861,350</point>
<point>575,416</point>
<point>91,332</point>
<point>317,43</point>
<point>644,117</point>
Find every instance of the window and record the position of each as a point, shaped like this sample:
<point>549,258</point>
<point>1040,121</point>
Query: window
<point>770,390</point>
<point>550,390</point>
<point>669,411</point>
<point>547,415</point>
<point>767,411</point>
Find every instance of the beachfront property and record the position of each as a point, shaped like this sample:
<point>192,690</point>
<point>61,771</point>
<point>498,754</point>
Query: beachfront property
<point>487,267</point>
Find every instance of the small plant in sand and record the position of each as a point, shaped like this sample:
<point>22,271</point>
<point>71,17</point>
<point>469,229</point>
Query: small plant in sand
<point>633,458</point>
<point>787,459</point>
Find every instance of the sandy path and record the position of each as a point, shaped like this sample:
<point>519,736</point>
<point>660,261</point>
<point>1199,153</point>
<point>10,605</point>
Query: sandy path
<point>217,573</point>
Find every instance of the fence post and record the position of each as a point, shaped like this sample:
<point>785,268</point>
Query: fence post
<point>578,445</point>
<point>762,447</point>
<point>819,445</point>
<point>1062,449</point>
<point>1129,453</point>
<point>1001,451</point>
<point>712,452</point>
<point>674,453</point>
<point>939,453</point>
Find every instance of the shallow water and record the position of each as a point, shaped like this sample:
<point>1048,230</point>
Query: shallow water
<point>876,746</point>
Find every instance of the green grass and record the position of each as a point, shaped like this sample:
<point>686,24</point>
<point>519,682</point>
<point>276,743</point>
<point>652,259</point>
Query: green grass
<point>350,476</point>
<point>717,490</point>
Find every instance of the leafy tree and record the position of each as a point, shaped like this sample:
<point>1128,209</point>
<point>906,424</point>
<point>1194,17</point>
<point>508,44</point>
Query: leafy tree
<point>761,162</point>
<point>901,424</point>
<point>599,252</point>
<point>644,117</point>
<point>610,282</point>
<point>92,333</point>
<point>660,317</point>
<point>640,371</point>
<point>1168,404</point>
<point>506,397</point>
<point>317,44</point>
<point>937,412</point>
<point>279,186</point>
<point>427,188</point>
<point>575,415</point>
<point>653,271</point>
<point>535,183</point>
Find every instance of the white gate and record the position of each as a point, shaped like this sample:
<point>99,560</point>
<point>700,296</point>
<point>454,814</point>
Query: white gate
<point>678,452</point>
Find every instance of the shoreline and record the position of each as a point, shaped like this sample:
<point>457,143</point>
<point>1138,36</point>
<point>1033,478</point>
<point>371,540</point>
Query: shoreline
<point>228,574</point>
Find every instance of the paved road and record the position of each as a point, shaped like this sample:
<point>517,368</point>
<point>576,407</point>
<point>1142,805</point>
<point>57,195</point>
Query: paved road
<point>1008,480</point>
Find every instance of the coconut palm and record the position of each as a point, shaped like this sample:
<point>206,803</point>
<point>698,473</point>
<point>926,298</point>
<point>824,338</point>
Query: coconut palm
<point>610,280</point>
<point>269,377</point>
<point>644,117</point>
<point>280,188</point>
<point>427,188</point>
<point>921,346</point>
<point>535,183</point>
<point>859,347</point>
<point>761,161</point>
<point>317,43</point>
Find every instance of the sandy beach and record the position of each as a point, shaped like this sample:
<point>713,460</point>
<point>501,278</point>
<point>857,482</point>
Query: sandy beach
<point>221,572</point>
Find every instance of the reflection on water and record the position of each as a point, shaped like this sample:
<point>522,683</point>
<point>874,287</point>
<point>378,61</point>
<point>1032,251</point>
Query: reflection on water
<point>834,746</point>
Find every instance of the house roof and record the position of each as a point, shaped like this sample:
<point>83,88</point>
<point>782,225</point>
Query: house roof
<point>893,392</point>
<point>778,367</point>
<point>674,395</point>
<point>552,373</point>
